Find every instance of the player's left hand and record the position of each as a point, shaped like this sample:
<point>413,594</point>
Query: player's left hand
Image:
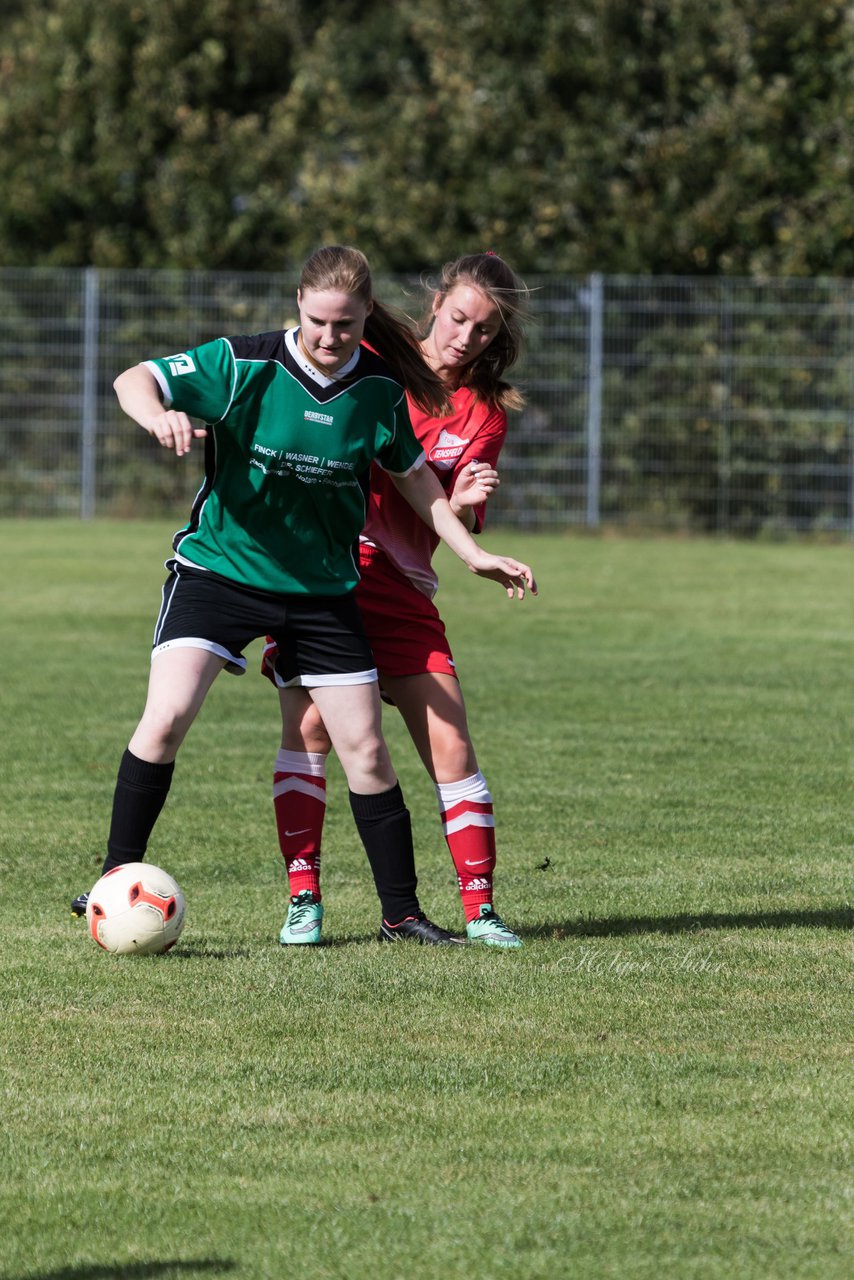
<point>515,577</point>
<point>474,484</point>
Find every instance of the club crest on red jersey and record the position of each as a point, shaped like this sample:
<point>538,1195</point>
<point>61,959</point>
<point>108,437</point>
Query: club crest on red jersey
<point>447,450</point>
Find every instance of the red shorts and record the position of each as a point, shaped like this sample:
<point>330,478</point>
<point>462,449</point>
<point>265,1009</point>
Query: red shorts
<point>403,626</point>
<point>406,634</point>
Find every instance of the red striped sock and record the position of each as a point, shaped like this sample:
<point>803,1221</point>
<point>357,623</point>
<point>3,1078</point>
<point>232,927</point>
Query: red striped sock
<point>469,828</point>
<point>299,798</point>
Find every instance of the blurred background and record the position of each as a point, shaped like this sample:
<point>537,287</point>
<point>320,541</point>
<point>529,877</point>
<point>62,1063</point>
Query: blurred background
<point>672,179</point>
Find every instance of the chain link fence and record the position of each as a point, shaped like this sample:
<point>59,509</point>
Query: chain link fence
<point>712,405</point>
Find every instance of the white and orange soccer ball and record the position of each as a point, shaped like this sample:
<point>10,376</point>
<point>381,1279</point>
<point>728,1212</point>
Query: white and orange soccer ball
<point>136,909</point>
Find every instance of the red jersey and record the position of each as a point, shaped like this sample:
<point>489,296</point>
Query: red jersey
<point>473,432</point>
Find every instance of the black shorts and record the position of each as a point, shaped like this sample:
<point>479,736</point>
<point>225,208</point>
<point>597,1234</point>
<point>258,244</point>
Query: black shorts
<point>321,639</point>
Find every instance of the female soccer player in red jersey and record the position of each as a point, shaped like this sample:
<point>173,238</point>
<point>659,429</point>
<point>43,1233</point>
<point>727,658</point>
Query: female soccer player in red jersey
<point>473,334</point>
<point>292,423</point>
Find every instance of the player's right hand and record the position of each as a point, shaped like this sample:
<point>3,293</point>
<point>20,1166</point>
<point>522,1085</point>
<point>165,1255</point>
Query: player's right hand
<point>174,430</point>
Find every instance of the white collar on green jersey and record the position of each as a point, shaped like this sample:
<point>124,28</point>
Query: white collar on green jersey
<point>313,372</point>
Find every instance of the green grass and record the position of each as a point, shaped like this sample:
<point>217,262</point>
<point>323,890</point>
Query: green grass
<point>659,1082</point>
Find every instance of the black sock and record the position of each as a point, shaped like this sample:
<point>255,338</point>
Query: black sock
<point>141,791</point>
<point>386,832</point>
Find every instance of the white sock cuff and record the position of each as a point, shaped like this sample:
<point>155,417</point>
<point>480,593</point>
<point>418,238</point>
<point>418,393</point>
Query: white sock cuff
<point>473,788</point>
<point>312,762</point>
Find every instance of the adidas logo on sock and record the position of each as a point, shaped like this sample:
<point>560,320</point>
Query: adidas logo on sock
<point>478,883</point>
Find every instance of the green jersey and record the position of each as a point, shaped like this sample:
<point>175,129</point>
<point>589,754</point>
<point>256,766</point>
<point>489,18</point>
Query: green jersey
<point>287,457</point>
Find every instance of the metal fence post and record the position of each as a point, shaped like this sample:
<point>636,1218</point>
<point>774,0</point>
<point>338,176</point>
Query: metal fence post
<point>89,396</point>
<point>724,443</point>
<point>593,433</point>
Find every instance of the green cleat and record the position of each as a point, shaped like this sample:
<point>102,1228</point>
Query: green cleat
<point>490,929</point>
<point>304,919</point>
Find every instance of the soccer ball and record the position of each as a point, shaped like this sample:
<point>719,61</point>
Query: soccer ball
<point>136,909</point>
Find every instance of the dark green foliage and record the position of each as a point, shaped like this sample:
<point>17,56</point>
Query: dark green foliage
<point>658,136</point>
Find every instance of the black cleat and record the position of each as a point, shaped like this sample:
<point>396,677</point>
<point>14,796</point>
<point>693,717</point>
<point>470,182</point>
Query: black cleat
<point>418,929</point>
<point>78,905</point>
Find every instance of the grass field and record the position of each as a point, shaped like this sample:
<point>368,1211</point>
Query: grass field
<point>658,1083</point>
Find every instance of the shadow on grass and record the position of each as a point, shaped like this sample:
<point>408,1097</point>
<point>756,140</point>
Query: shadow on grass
<point>687,922</point>
<point>338,943</point>
<point>137,1270</point>
<point>199,951</point>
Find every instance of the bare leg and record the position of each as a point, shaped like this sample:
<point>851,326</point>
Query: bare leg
<point>353,718</point>
<point>177,686</point>
<point>302,725</point>
<point>179,681</point>
<point>434,712</point>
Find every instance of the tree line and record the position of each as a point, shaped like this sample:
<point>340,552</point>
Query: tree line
<point>624,136</point>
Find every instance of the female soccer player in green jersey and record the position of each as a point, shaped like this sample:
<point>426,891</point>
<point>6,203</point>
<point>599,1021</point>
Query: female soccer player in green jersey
<point>292,422</point>
<point>471,337</point>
